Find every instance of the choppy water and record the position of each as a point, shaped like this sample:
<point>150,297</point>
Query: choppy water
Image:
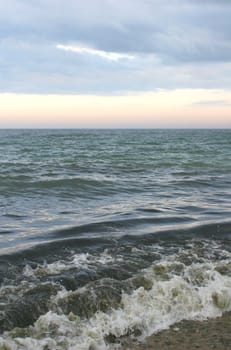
<point>109,234</point>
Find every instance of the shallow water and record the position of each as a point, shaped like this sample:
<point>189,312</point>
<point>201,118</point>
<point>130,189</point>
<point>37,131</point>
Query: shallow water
<point>108,234</point>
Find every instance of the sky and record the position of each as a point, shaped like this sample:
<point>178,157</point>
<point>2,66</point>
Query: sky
<point>114,63</point>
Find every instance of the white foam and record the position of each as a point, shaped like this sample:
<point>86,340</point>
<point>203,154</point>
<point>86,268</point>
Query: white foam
<point>194,291</point>
<point>79,261</point>
<point>169,301</point>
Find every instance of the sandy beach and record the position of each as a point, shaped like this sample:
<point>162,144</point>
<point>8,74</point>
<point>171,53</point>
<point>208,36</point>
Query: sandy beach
<point>190,335</point>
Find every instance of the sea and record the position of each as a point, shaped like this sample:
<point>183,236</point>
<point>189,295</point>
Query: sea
<point>111,235</point>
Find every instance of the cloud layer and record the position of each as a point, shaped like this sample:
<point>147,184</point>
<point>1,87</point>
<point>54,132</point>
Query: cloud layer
<point>114,46</point>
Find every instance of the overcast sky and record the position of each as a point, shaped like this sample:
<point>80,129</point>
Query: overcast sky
<point>115,47</point>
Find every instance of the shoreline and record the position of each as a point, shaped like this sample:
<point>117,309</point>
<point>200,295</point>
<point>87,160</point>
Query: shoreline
<point>210,334</point>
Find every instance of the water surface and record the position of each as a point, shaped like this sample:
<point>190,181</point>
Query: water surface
<point>107,234</point>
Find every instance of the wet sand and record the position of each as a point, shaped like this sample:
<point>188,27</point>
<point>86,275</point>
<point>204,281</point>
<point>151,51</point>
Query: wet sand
<point>190,335</point>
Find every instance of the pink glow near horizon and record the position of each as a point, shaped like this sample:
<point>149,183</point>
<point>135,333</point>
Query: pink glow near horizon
<point>176,108</point>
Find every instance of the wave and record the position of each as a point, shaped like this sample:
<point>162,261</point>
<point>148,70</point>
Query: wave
<point>192,282</point>
<point>108,234</point>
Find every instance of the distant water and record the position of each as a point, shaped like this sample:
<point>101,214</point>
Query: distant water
<point>108,234</point>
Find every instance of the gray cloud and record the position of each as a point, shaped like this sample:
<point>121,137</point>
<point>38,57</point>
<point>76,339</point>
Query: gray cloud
<point>178,43</point>
<point>212,103</point>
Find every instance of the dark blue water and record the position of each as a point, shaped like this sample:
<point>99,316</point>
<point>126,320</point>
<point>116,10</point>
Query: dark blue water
<point>93,219</point>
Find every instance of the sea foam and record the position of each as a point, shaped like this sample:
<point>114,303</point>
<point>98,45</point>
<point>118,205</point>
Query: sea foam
<point>179,291</point>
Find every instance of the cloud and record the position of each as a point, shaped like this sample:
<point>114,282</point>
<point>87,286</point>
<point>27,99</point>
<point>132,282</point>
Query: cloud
<point>176,44</point>
<point>111,56</point>
<point>212,103</point>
